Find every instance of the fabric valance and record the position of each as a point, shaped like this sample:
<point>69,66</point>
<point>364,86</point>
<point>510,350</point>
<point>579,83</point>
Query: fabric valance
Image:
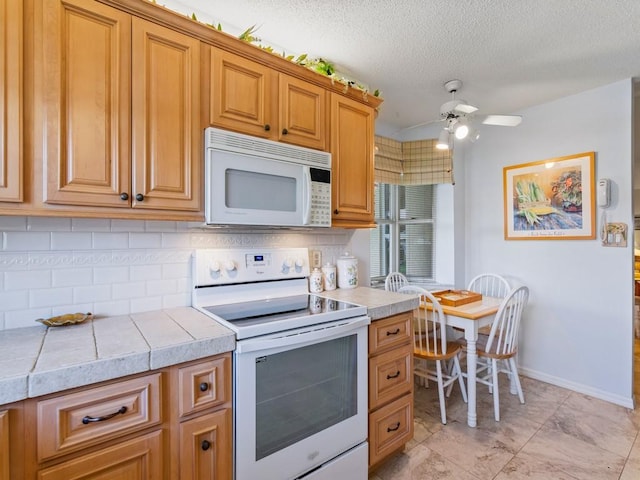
<point>416,162</point>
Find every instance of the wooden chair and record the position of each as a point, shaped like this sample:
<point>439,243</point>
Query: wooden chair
<point>394,281</point>
<point>430,345</point>
<point>497,351</point>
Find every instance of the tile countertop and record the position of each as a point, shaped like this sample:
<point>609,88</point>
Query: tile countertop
<point>379,303</point>
<point>38,360</point>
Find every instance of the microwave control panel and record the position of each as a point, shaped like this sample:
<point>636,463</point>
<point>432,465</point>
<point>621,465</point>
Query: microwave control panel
<point>320,204</point>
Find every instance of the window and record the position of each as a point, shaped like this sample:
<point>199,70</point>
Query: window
<point>403,240</point>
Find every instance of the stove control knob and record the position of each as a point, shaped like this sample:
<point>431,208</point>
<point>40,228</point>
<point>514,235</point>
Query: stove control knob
<point>214,269</point>
<point>229,266</point>
<point>286,265</point>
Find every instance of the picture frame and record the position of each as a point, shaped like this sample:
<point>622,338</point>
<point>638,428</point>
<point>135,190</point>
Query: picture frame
<point>551,199</point>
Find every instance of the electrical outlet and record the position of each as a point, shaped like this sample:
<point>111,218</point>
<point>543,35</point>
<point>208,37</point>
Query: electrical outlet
<point>316,258</point>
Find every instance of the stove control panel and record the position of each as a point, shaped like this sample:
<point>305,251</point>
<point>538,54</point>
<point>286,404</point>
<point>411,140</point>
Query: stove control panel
<point>229,266</point>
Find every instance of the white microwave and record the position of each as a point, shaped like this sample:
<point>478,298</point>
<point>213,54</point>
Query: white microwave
<point>253,181</point>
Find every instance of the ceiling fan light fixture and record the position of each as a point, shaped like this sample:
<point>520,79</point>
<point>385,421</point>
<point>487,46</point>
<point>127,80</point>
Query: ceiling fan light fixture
<point>443,140</point>
<point>461,130</point>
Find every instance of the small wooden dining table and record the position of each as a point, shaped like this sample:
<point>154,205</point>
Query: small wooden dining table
<point>470,317</point>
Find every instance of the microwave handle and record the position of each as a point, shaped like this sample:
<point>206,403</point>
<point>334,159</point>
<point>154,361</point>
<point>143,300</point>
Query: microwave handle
<point>306,194</point>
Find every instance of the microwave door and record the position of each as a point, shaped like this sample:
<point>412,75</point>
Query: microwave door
<point>251,190</point>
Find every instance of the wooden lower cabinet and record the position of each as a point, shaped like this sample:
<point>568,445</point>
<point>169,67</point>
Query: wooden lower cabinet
<point>4,445</point>
<point>130,428</point>
<point>137,459</point>
<point>390,386</point>
<point>204,446</point>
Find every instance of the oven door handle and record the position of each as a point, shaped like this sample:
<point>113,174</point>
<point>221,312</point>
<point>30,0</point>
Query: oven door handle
<point>303,335</point>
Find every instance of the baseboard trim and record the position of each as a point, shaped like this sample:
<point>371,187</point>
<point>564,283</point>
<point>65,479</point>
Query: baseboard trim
<point>627,402</point>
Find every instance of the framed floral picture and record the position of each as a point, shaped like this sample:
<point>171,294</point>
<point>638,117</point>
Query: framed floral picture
<point>550,199</point>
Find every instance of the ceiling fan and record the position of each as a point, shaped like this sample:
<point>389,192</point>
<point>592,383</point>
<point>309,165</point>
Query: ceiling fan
<point>457,115</point>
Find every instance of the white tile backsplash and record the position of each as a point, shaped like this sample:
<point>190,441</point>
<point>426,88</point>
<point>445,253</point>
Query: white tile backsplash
<point>104,240</point>
<point>26,241</point>
<point>71,240</point>
<point>52,266</point>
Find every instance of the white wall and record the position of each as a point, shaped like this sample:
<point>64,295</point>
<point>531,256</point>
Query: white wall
<point>577,331</point>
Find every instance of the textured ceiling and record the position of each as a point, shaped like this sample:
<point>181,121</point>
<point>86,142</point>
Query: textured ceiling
<point>510,54</point>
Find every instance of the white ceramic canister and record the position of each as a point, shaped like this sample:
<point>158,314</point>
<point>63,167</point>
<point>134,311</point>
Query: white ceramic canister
<point>347,271</point>
<point>315,281</point>
<point>329,274</point>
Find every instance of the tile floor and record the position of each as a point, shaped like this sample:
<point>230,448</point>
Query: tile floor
<point>556,434</point>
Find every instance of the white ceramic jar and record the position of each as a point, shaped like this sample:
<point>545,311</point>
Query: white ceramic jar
<point>347,271</point>
<point>315,281</point>
<point>329,274</point>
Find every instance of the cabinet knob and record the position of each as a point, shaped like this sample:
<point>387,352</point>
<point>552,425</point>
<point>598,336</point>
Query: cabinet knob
<point>124,196</point>
<point>335,212</point>
<point>205,445</point>
<point>139,197</point>
<point>267,127</point>
<point>204,386</point>
<point>285,131</point>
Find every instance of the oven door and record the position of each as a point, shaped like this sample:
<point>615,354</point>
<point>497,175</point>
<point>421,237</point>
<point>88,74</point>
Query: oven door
<point>300,399</point>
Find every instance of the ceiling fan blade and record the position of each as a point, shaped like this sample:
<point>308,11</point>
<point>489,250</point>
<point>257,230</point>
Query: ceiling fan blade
<point>421,124</point>
<point>464,108</point>
<point>503,120</point>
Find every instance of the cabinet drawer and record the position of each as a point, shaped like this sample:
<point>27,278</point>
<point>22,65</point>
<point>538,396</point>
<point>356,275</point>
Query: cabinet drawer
<point>390,375</point>
<point>137,458</point>
<point>204,385</point>
<point>390,332</point>
<point>390,428</point>
<point>71,422</point>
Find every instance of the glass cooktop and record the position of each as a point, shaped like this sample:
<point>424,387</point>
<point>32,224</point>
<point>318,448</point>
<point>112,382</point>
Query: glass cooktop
<point>245,314</point>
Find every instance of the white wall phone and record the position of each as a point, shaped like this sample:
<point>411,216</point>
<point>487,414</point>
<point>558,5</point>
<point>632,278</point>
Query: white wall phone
<point>604,192</point>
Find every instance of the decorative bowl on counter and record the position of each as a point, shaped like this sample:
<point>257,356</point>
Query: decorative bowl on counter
<point>66,319</point>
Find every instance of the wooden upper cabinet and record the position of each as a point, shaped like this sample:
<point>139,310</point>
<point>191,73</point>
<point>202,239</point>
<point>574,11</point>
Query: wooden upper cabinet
<point>352,132</point>
<point>303,117</point>
<point>122,110</point>
<point>167,131</point>
<point>255,99</point>
<point>11,160</point>
<point>87,78</point>
<point>243,94</point>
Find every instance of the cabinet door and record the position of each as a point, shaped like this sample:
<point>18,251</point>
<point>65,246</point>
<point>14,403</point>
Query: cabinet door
<point>86,47</point>
<point>11,166</point>
<point>352,162</point>
<point>243,95</point>
<point>205,447</point>
<point>4,445</point>
<point>167,130</point>
<point>137,459</point>
<point>303,117</point>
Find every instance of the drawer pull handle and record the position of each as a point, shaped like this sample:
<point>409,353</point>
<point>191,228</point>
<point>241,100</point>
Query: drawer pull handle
<point>204,386</point>
<point>395,332</point>
<point>396,375</point>
<point>206,444</point>
<point>86,420</point>
<point>393,429</point>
